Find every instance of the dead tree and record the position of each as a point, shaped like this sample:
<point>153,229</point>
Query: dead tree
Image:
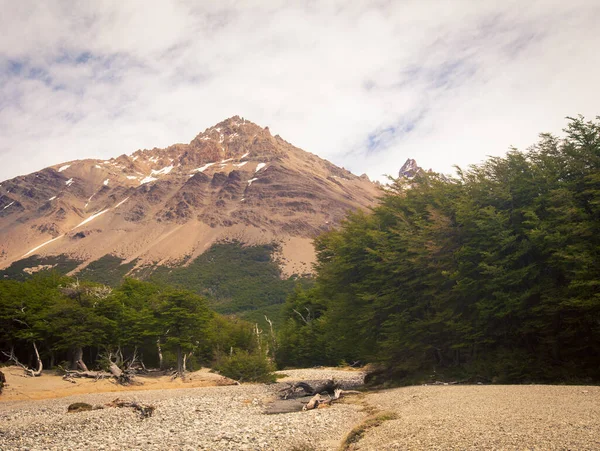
<point>160,354</point>
<point>272,339</point>
<point>122,377</point>
<point>28,371</point>
<point>77,362</point>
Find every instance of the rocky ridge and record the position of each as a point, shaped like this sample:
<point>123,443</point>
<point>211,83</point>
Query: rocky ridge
<point>234,181</point>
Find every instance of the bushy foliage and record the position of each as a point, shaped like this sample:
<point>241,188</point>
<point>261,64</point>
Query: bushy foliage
<point>107,270</point>
<point>234,278</point>
<point>246,366</point>
<point>70,319</point>
<point>59,263</point>
<point>496,271</point>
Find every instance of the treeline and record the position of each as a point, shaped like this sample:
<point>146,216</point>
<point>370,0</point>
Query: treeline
<point>494,274</point>
<point>77,324</point>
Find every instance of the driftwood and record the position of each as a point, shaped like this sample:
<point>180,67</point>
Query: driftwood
<point>292,391</point>
<point>28,371</point>
<point>322,394</point>
<point>319,400</point>
<point>145,410</point>
<point>71,374</point>
<point>122,377</point>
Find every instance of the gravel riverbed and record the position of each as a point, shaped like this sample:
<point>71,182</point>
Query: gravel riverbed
<point>210,418</point>
<point>487,417</point>
<point>496,417</point>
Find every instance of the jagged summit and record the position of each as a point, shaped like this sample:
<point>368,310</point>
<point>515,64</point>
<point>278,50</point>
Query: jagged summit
<point>410,169</point>
<point>233,181</point>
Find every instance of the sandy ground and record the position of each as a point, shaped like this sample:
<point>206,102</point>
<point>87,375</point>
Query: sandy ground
<point>50,385</point>
<point>493,417</point>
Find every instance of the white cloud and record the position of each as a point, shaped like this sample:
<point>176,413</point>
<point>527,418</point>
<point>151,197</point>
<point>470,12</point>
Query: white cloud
<point>365,84</point>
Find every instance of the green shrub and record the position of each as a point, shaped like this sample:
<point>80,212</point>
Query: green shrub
<point>244,366</point>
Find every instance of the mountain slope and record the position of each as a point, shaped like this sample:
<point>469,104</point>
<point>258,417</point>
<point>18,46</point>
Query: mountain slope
<point>234,181</point>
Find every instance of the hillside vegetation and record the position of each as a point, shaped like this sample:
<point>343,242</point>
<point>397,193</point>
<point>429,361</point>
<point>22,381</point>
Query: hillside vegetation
<point>234,278</point>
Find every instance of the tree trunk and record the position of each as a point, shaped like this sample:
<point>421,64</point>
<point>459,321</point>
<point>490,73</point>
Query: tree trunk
<point>77,360</point>
<point>2,381</point>
<point>160,355</point>
<point>180,362</point>
<point>28,371</point>
<point>40,367</point>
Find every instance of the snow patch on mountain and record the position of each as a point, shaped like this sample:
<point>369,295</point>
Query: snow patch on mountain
<point>94,216</point>
<point>147,179</point>
<point>41,245</point>
<point>163,171</point>
<point>204,168</point>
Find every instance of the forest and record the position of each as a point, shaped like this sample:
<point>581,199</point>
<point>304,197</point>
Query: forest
<point>55,321</point>
<point>491,275</point>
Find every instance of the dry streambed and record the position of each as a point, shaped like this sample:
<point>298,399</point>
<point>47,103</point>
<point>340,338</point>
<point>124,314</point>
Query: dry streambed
<point>233,418</point>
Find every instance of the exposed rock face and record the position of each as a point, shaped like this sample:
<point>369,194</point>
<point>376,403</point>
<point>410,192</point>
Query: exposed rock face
<point>233,181</point>
<point>410,169</point>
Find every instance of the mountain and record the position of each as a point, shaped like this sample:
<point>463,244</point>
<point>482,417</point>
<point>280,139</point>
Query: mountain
<point>165,207</point>
<point>409,170</point>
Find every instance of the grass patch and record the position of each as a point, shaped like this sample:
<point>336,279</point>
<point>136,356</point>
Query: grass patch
<point>245,280</point>
<point>359,431</point>
<point>107,270</point>
<point>60,263</point>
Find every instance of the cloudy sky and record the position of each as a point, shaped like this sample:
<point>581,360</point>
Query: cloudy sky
<point>365,84</point>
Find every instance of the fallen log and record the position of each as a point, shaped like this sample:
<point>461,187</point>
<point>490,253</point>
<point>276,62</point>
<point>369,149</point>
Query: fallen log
<point>314,402</point>
<point>145,410</point>
<point>292,391</point>
<point>319,400</point>
<point>72,374</point>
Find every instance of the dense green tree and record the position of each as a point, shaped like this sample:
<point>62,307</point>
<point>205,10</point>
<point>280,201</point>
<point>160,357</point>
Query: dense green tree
<point>496,272</point>
<point>184,319</point>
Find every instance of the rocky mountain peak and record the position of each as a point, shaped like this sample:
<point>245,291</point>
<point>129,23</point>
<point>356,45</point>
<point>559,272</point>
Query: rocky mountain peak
<point>233,181</point>
<point>410,169</point>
